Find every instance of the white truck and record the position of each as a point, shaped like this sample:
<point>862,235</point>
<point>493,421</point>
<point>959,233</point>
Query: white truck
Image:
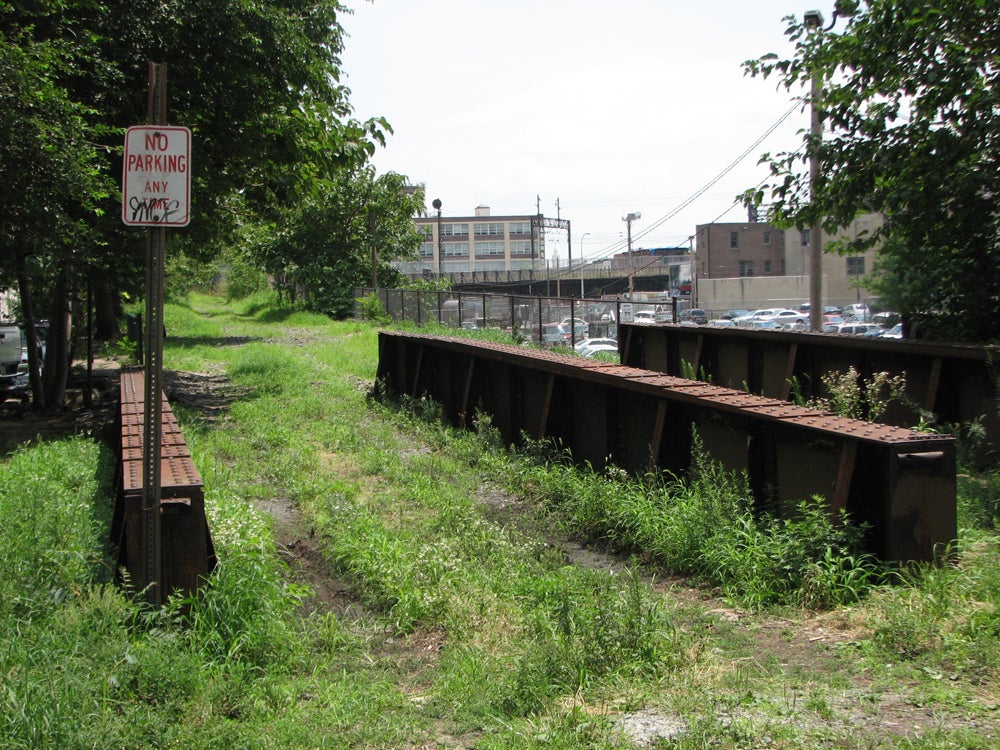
<point>13,363</point>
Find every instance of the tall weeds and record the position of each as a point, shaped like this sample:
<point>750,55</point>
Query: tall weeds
<point>705,525</point>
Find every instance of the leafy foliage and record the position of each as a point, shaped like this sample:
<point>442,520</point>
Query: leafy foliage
<point>340,236</point>
<point>910,105</point>
<point>273,135</point>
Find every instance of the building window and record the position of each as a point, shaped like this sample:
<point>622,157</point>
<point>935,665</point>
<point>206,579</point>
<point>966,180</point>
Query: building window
<point>734,239</point>
<point>455,248</point>
<point>520,247</point>
<point>488,229</point>
<point>767,268</point>
<point>766,238</point>
<point>746,268</point>
<point>805,237</point>
<point>489,248</point>
<point>520,227</point>
<point>426,249</point>
<point>856,265</point>
<point>454,230</point>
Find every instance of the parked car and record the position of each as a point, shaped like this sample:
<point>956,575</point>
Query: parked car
<point>788,318</point>
<point>605,351</point>
<point>590,343</point>
<point>644,317</point>
<point>854,329</point>
<point>556,334</point>
<point>896,332</point>
<point>827,310</point>
<point>748,320</point>
<point>722,323</point>
<point>858,311</point>
<point>695,315</point>
<point>580,326</point>
<point>734,314</point>
<point>886,319</point>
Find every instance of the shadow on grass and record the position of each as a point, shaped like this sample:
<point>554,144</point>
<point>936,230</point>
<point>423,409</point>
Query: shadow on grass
<point>189,342</point>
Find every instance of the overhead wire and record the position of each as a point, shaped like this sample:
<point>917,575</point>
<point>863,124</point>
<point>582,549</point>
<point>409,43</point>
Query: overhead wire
<point>615,247</point>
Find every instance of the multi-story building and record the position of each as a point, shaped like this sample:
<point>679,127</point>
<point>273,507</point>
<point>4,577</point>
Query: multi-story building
<point>729,255</point>
<point>843,274</point>
<point>726,251</point>
<point>478,243</point>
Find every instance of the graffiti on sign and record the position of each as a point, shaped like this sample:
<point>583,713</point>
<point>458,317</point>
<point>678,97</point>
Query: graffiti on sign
<point>156,176</point>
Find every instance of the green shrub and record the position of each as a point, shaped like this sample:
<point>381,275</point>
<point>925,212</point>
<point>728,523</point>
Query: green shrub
<point>370,307</point>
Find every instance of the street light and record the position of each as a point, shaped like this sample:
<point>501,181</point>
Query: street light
<point>582,263</point>
<point>437,204</point>
<point>813,21</point>
<point>628,219</point>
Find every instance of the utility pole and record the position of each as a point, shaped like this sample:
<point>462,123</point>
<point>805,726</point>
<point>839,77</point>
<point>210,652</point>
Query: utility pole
<point>814,21</point>
<point>628,219</point>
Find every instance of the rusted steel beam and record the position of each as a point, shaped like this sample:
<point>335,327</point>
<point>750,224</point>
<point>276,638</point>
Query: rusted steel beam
<point>898,481</point>
<point>933,383</point>
<point>957,382</point>
<point>845,472</point>
<point>416,375</point>
<point>187,554</point>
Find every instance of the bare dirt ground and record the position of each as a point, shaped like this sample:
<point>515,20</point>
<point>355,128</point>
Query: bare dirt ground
<point>810,647</point>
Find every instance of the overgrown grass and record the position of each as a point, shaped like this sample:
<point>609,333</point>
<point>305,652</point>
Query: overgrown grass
<point>703,526</point>
<point>470,626</point>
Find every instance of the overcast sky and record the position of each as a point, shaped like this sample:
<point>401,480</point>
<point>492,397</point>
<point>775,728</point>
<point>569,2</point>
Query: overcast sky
<point>607,107</point>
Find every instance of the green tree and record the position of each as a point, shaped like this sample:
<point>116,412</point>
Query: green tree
<point>53,187</point>
<point>910,105</point>
<point>257,83</point>
<point>343,236</point>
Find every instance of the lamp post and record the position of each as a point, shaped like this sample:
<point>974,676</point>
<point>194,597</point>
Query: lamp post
<point>813,20</point>
<point>582,264</point>
<point>437,204</point>
<point>628,219</point>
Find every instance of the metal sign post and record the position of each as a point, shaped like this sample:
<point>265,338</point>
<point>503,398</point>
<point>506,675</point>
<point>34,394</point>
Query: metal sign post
<point>156,186</point>
<point>154,372</point>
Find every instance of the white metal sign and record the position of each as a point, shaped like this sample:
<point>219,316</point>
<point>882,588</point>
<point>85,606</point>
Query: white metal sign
<point>156,176</point>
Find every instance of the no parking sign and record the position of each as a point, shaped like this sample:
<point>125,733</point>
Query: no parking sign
<point>156,176</point>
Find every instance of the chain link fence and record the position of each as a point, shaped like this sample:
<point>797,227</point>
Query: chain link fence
<point>548,321</point>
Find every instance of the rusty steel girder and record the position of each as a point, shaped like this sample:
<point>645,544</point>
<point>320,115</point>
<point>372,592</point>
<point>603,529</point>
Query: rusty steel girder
<point>187,554</point>
<point>956,382</point>
<point>898,481</point>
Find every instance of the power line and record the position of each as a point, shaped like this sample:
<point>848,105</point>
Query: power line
<point>688,201</point>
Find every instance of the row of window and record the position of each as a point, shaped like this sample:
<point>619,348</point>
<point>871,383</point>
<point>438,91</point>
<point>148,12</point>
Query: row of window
<point>855,266</point>
<point>482,249</point>
<point>747,268</point>
<point>479,228</point>
<point>765,239</point>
